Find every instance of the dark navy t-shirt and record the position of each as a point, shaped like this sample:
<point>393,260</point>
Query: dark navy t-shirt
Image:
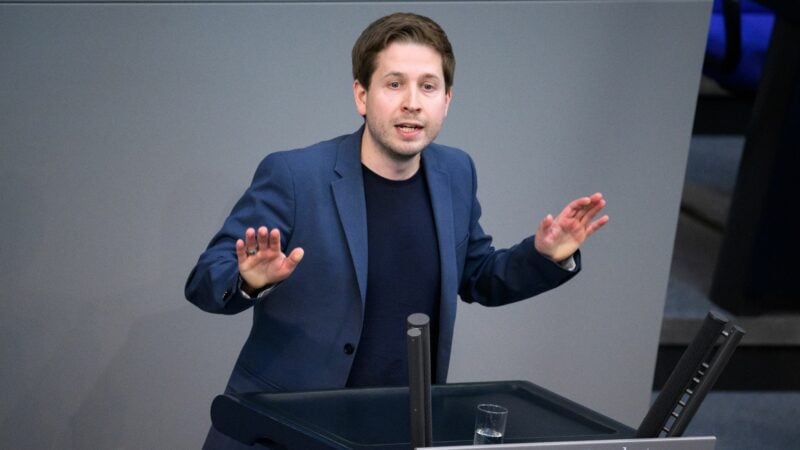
<point>403,277</point>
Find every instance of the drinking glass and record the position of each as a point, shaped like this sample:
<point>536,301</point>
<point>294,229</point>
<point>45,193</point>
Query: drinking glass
<point>490,424</point>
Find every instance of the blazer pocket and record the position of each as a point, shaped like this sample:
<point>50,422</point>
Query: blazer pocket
<point>244,380</point>
<point>462,242</point>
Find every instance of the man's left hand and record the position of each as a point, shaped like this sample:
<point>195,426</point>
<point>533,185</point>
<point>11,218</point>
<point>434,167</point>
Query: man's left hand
<point>558,238</point>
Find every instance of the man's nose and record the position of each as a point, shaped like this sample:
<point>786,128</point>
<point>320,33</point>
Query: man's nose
<point>411,101</point>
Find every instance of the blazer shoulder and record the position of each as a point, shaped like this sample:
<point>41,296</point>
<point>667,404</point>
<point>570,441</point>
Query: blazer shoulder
<point>450,159</point>
<point>321,155</point>
<point>447,151</point>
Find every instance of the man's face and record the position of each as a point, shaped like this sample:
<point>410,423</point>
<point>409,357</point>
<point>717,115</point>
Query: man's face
<point>406,103</point>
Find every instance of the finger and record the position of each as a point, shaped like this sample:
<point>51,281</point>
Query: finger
<point>589,209</point>
<point>597,224</point>
<point>591,212</point>
<point>580,213</point>
<point>289,264</point>
<point>263,239</point>
<point>574,207</point>
<point>293,259</point>
<point>241,254</point>
<point>250,243</point>
<point>546,223</point>
<point>275,240</point>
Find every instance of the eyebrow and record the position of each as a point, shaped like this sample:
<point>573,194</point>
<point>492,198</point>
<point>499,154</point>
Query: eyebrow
<point>403,75</point>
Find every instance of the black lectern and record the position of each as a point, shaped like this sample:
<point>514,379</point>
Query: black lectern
<point>371,418</point>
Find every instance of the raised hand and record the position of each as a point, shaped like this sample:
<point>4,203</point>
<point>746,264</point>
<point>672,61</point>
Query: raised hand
<point>261,261</point>
<point>558,238</point>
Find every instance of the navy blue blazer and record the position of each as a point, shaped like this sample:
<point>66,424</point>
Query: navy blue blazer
<point>304,330</point>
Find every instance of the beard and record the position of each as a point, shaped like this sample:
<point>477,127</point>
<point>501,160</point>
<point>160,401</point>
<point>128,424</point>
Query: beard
<point>392,144</point>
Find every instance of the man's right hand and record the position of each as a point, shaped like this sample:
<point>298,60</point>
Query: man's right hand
<point>261,261</point>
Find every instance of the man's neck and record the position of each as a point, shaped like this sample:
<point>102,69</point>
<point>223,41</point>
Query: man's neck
<point>382,164</point>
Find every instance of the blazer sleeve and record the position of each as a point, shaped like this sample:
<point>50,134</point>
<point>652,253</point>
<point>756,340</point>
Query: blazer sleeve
<point>494,277</point>
<point>213,284</point>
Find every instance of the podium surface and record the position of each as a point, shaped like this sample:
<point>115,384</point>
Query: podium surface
<point>372,418</point>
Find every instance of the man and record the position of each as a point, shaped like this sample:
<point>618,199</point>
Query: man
<point>381,223</point>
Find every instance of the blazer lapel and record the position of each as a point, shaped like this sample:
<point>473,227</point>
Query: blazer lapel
<point>348,193</point>
<point>439,185</point>
<point>441,200</point>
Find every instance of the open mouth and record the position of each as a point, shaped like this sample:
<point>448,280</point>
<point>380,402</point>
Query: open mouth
<point>408,128</point>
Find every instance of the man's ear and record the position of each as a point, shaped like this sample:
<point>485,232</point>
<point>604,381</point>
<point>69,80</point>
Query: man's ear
<point>448,96</point>
<point>360,97</point>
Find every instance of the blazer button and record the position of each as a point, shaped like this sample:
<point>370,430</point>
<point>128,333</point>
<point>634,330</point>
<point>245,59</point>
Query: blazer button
<point>349,349</point>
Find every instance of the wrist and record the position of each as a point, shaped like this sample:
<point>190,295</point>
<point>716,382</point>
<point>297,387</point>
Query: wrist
<point>250,290</point>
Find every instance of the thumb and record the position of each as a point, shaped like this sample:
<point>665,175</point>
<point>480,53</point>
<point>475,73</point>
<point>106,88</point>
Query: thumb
<point>294,258</point>
<point>546,222</point>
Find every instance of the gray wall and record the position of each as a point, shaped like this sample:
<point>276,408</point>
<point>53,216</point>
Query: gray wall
<point>127,131</point>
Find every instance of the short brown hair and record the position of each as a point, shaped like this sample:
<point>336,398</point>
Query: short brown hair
<point>400,27</point>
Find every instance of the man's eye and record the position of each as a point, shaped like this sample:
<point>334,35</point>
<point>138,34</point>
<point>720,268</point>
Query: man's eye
<point>394,84</point>
<point>429,87</point>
